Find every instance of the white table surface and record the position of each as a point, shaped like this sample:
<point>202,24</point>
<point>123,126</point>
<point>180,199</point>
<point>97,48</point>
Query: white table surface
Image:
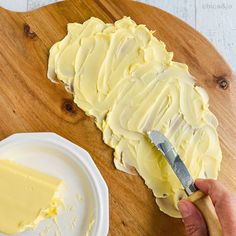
<point>216,19</point>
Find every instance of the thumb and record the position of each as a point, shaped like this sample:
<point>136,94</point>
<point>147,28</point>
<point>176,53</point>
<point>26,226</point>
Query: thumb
<point>193,221</point>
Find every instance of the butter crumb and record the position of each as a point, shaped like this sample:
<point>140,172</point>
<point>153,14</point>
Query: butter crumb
<point>74,222</point>
<point>90,227</point>
<point>79,197</point>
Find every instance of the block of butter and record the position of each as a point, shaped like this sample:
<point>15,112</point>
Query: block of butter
<point>27,196</point>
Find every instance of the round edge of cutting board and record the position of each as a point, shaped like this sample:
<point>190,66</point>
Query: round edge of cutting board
<point>220,65</point>
<point>210,65</point>
<point>86,161</point>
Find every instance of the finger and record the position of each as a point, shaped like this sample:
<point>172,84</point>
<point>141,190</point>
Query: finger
<point>225,203</point>
<point>193,220</point>
<point>213,188</point>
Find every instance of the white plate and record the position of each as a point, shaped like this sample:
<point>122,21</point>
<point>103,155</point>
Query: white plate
<point>84,191</point>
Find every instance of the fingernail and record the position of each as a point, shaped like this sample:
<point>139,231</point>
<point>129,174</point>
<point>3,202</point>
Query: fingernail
<point>199,180</point>
<point>183,208</point>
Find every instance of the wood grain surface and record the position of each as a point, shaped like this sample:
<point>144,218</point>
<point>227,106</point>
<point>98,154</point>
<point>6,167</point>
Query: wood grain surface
<point>31,103</point>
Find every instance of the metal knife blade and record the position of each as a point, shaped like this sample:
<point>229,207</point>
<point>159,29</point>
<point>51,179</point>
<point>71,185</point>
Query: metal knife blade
<point>168,151</point>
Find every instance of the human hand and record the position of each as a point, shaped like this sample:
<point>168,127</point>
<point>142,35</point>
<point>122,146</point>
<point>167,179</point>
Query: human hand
<point>225,206</point>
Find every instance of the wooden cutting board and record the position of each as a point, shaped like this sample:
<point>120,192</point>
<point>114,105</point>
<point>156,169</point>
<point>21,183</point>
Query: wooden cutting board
<point>31,103</point>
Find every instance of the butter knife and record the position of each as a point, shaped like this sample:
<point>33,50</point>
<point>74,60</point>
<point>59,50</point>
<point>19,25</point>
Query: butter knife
<point>202,201</point>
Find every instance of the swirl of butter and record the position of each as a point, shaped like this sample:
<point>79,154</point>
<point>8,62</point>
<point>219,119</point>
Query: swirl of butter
<point>124,77</point>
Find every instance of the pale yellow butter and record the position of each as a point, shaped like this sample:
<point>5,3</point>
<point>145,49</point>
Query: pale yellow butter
<point>124,77</point>
<point>27,196</point>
